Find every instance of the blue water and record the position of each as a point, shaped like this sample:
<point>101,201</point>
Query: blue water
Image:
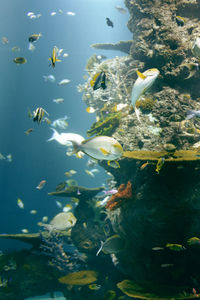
<point>23,87</point>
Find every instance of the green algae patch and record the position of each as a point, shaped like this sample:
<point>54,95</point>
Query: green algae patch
<point>134,290</point>
<point>105,126</point>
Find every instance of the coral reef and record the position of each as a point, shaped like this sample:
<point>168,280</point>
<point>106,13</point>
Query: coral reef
<point>118,199</point>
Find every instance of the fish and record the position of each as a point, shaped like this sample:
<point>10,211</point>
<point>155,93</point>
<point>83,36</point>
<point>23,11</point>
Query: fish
<point>9,157</point>
<point>102,203</point>
<point>157,248</point>
<point>113,164</point>
<point>2,156</point>
<point>59,204</point>
<point>166,265</point>
<point>20,203</point>
<point>196,48</point>
<point>62,221</point>
<point>90,110</point>
<point>38,114</point>
<point>110,192</point>
<point>54,58</point>
<point>192,113</point>
<point>70,173</point>
<point>175,247</point>
<point>66,139</point>
<point>65,54</point>
<point>64,82</point>
<point>49,78</point>
<point>70,13</point>
<point>47,120</point>
<point>98,81</point>
<point>58,100</point>
<point>193,241</point>
<point>121,9</point>
<point>30,13</point>
<point>192,67</point>
<point>41,185</point>
<point>19,60</point>
<point>160,164</point>
<point>109,22</point>
<point>67,208</point>
<point>34,37</point>
<point>94,286</point>
<point>113,244</point>
<point>91,172</point>
<point>144,165</point>
<point>180,21</point>
<point>33,212</point>
<point>61,122</point>
<point>119,107</point>
<point>25,230</point>
<point>15,49</point>
<point>53,13</point>
<point>31,47</point>
<point>28,131</point>
<point>45,219</point>
<point>4,40</point>
<point>144,81</point>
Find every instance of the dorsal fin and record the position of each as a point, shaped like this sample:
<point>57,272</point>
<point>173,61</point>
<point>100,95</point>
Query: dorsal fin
<point>139,74</point>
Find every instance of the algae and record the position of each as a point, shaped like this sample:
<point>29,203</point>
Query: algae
<point>105,126</point>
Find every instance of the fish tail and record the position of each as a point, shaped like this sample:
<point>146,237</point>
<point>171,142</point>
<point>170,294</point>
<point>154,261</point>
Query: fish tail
<point>55,135</point>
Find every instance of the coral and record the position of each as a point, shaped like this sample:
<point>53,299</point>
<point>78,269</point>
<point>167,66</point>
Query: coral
<point>105,126</point>
<point>123,46</point>
<point>79,278</point>
<point>91,62</point>
<point>117,199</point>
<point>145,104</point>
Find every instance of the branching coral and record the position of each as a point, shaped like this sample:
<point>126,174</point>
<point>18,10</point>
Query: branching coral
<point>117,199</point>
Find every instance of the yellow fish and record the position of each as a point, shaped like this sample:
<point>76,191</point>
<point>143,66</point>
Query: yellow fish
<point>54,58</point>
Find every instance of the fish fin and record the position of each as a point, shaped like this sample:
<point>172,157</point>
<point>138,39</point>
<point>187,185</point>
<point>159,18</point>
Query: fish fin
<point>139,74</point>
<point>59,60</point>
<point>104,151</point>
<point>192,68</point>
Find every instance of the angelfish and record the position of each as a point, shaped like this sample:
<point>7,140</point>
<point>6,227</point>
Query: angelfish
<point>143,83</point>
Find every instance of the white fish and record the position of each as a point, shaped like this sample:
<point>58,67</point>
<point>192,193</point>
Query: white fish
<point>91,172</point>
<point>70,13</point>
<point>61,221</point>
<point>103,202</point>
<point>61,123</point>
<point>31,47</point>
<point>59,204</point>
<point>9,157</point>
<point>143,83</point>
<point>38,16</point>
<point>49,78</point>
<point>64,82</point>
<point>58,100</point>
<point>65,54</point>
<point>33,17</point>
<point>45,219</point>
<point>67,208</point>
<point>30,13</point>
<point>53,13</point>
<point>59,52</point>
<point>33,212</point>
<point>20,203</point>
<point>121,9</point>
<point>66,139</point>
<point>24,230</point>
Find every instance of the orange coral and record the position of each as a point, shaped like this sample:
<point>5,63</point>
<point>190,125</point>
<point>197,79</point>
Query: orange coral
<point>117,199</point>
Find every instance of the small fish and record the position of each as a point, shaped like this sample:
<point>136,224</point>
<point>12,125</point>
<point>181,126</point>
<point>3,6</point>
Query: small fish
<point>98,81</point>
<point>70,13</point>
<point>67,208</point>
<point>19,60</point>
<point>41,185</point>
<point>25,230</point>
<point>160,164</point>
<point>28,131</point>
<point>53,13</point>
<point>31,47</point>
<point>119,107</point>
<point>45,219</point>
<point>38,114</point>
<point>113,164</point>
<point>192,67</point>
<point>61,123</point>
<point>90,110</point>
<point>54,58</point>
<point>193,241</point>
<point>49,78</point>
<point>15,49</point>
<point>91,172</point>
<point>196,48</point>
<point>94,286</point>
<point>103,202</point>
<point>166,265</point>
<point>4,40</point>
<point>9,157</point>
<point>192,113</point>
<point>180,21</point>
<point>33,212</point>
<point>64,82</point>
<point>110,192</point>
<point>34,37</point>
<point>30,13</point>
<point>58,100</point>
<point>109,22</point>
<point>157,248</point>
<point>59,204</point>
<point>175,247</point>
<point>144,165</point>
<point>65,54</point>
<point>20,203</point>
<point>121,9</point>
